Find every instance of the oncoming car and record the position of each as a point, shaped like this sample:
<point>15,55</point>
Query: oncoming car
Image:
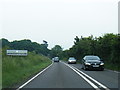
<point>92,62</point>
<point>71,60</point>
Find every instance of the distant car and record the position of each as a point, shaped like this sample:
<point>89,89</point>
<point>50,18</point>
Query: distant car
<point>92,62</point>
<point>52,59</point>
<point>56,59</point>
<point>71,60</point>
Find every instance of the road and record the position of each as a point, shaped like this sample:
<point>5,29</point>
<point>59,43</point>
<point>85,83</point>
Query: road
<point>63,75</point>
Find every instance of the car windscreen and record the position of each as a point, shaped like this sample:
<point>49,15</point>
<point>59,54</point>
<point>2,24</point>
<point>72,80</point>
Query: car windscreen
<point>92,58</point>
<point>71,58</point>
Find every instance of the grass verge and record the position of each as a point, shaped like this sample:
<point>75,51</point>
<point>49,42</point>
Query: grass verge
<point>112,67</point>
<point>16,69</point>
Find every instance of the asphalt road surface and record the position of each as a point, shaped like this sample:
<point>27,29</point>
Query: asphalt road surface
<point>63,75</point>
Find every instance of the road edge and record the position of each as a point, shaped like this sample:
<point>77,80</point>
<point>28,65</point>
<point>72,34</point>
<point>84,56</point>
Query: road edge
<point>21,86</point>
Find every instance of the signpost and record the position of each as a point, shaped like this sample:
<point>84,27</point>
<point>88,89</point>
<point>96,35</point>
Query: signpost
<point>17,52</point>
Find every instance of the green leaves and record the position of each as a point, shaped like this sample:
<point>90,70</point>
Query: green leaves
<point>56,51</point>
<point>106,46</point>
<point>27,44</point>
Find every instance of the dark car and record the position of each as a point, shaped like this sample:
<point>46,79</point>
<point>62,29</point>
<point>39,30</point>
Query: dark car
<point>92,62</point>
<point>56,59</point>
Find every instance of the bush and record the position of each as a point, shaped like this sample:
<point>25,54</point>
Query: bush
<point>16,68</point>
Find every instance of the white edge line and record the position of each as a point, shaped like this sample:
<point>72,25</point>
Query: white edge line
<point>34,77</point>
<point>112,71</point>
<point>93,85</point>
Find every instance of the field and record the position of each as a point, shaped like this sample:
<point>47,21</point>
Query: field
<point>16,69</point>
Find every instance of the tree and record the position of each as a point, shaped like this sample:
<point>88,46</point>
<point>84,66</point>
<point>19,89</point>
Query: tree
<point>27,44</point>
<point>5,42</point>
<point>76,40</point>
<point>45,43</point>
<point>106,46</point>
<point>56,51</point>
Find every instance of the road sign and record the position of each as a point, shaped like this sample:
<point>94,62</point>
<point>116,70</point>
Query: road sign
<point>17,52</point>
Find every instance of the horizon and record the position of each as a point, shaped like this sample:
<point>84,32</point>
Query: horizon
<point>57,22</point>
<point>57,44</point>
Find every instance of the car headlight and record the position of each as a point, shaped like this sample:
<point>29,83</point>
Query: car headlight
<point>87,63</point>
<point>102,64</point>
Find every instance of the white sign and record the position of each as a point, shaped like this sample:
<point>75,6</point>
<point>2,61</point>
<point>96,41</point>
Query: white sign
<point>17,52</point>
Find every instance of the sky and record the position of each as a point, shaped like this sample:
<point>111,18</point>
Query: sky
<point>57,21</point>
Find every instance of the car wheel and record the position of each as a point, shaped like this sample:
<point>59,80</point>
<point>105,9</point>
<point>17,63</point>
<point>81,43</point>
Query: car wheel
<point>84,68</point>
<point>102,69</point>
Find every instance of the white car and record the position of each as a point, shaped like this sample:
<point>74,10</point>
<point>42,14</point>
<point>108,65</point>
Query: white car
<point>52,59</point>
<point>72,60</point>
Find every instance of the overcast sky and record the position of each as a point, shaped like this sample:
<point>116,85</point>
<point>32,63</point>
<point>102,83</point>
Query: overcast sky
<point>57,21</point>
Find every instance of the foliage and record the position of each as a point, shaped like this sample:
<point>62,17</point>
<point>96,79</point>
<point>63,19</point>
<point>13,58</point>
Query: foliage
<point>107,47</point>
<point>56,51</point>
<point>26,45</point>
<point>16,69</point>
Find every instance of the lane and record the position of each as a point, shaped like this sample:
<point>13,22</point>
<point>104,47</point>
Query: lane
<point>106,77</point>
<point>58,76</point>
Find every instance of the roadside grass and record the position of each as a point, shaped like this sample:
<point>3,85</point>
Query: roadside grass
<point>112,66</point>
<point>16,69</point>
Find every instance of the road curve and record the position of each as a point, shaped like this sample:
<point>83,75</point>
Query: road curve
<point>62,75</point>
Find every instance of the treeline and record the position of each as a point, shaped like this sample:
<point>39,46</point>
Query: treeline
<point>26,44</point>
<point>107,47</point>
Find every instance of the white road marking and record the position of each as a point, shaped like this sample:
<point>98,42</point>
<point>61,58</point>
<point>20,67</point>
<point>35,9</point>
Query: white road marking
<point>112,71</point>
<point>93,79</point>
<point>92,84</point>
<point>81,74</point>
<point>34,77</point>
